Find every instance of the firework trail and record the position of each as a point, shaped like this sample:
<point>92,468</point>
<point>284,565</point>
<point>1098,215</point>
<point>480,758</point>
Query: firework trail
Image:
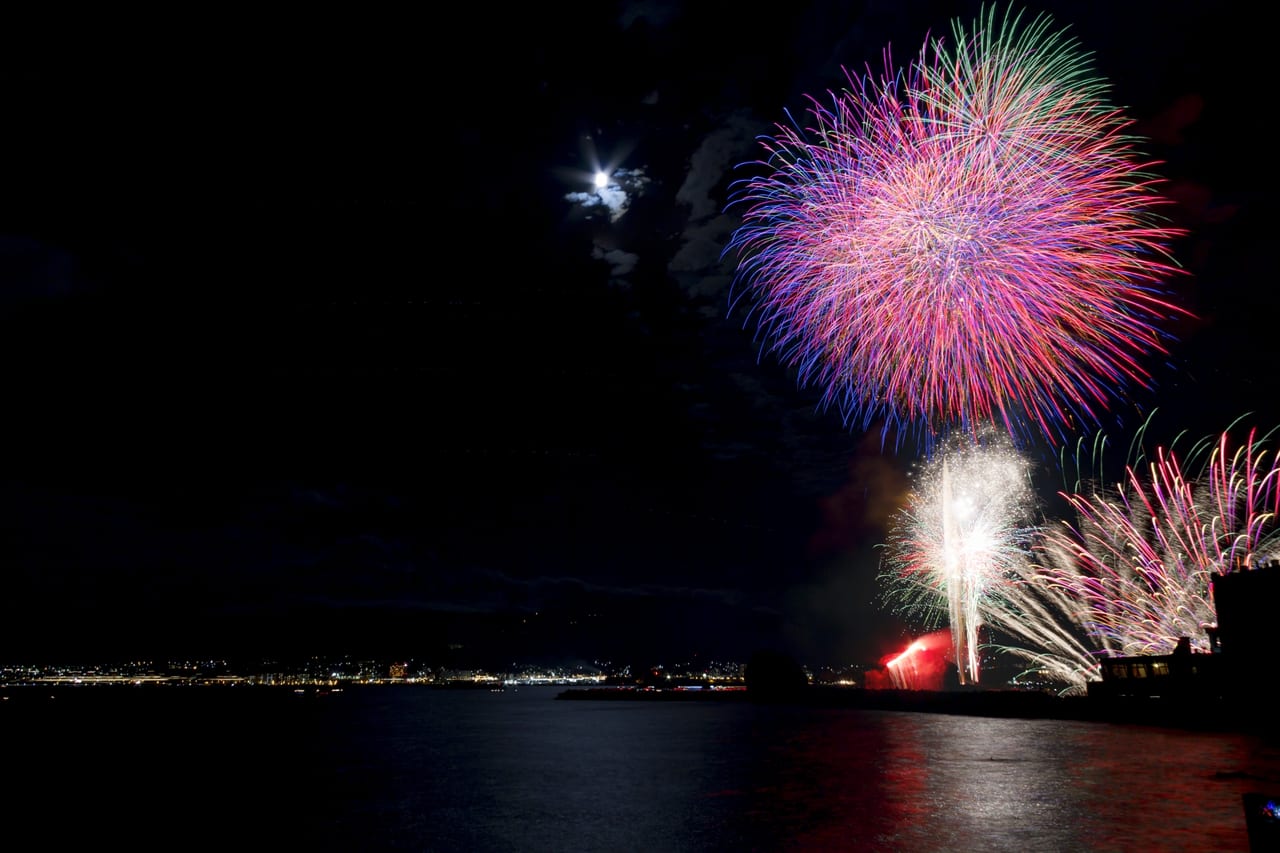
<point>1138,564</point>
<point>963,532</point>
<point>974,241</point>
<point>1131,575</point>
<point>1039,624</point>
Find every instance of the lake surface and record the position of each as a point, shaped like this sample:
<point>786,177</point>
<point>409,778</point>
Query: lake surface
<point>416,768</point>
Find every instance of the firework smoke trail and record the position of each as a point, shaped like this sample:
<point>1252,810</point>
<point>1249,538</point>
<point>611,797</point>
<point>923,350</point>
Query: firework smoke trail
<point>963,531</point>
<point>1040,626</point>
<point>973,241</point>
<point>1140,558</point>
<point>1246,498</point>
<point>1139,563</point>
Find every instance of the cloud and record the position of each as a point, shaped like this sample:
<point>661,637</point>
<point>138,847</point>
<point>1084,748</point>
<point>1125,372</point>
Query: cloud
<point>697,263</point>
<point>31,269</point>
<point>712,161</point>
<point>615,197</point>
<point>621,264</point>
<point>656,14</point>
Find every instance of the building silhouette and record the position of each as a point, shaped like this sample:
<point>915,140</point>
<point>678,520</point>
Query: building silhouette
<point>1234,674</point>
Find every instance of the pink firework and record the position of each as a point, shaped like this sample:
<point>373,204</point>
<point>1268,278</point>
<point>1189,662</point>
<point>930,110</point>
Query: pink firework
<point>1139,563</point>
<point>971,242</point>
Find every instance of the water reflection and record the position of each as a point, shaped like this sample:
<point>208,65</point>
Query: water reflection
<point>901,781</point>
<point>407,769</point>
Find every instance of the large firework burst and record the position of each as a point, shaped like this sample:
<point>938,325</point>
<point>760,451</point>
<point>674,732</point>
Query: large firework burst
<point>971,242</point>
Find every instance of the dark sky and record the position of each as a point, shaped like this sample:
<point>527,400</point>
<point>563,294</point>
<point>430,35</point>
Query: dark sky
<point>317,339</point>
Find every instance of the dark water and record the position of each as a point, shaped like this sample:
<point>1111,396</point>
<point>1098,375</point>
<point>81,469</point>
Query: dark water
<point>409,768</point>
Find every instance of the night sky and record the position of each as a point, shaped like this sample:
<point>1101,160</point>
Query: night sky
<point>318,339</point>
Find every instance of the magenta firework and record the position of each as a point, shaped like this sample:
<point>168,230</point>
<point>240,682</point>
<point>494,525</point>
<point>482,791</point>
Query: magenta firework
<point>975,241</point>
<point>1140,560</point>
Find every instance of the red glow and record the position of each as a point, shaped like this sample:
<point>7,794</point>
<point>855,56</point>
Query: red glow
<point>922,665</point>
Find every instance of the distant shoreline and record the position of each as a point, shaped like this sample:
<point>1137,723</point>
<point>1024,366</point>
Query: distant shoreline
<point>1188,713</point>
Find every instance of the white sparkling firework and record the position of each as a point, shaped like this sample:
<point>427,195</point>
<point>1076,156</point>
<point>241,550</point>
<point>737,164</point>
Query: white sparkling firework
<point>966,530</point>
